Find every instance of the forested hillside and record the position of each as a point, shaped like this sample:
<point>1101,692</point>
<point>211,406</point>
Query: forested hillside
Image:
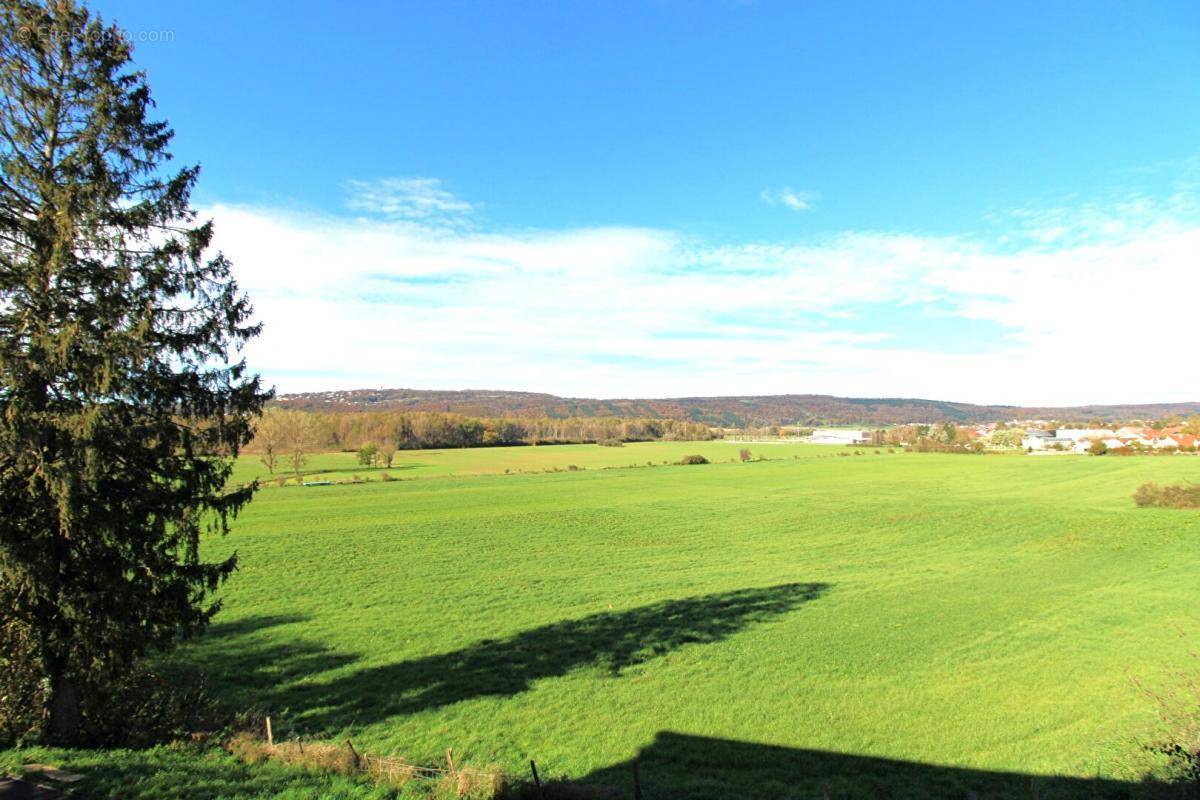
<point>789,409</point>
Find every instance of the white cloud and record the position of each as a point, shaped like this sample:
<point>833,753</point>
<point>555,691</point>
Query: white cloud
<point>1075,305</point>
<point>789,198</point>
<point>422,200</point>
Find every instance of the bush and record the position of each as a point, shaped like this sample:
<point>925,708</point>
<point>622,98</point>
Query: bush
<point>367,454</point>
<point>1178,740</point>
<point>121,706</point>
<point>1183,495</point>
<point>693,460</point>
<point>387,477</point>
<point>611,443</point>
<point>21,689</point>
<point>745,454</point>
<point>1098,448</point>
<point>925,444</point>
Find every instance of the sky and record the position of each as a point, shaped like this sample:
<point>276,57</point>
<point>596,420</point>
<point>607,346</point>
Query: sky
<point>972,201</point>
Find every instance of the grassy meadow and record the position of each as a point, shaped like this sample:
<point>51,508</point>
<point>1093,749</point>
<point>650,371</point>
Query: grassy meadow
<point>875,625</point>
<point>412,464</point>
<point>941,615</point>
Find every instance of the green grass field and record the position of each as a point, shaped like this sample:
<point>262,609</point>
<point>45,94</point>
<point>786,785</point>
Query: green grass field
<point>982,612</point>
<point>411,464</point>
<point>893,625</point>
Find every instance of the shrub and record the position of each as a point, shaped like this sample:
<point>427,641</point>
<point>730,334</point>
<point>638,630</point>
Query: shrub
<point>693,460</point>
<point>387,477</point>
<point>611,443</point>
<point>1178,740</point>
<point>21,689</point>
<point>925,444</point>
<point>131,706</point>
<point>367,454</point>
<point>745,454</point>
<point>1098,448</point>
<point>1183,495</point>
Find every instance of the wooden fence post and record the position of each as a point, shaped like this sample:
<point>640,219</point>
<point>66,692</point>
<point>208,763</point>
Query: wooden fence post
<point>536,780</point>
<point>270,738</point>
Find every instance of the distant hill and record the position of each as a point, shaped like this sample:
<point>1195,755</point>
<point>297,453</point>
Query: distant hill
<point>784,409</point>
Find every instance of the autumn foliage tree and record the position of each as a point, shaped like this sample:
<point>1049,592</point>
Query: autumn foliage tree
<point>122,391</point>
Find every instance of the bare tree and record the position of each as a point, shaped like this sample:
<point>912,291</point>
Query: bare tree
<point>387,452</point>
<point>300,437</point>
<point>269,435</point>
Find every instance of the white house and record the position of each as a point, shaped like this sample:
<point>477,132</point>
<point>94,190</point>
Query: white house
<point>1036,440</point>
<point>839,436</point>
<point>1046,440</point>
<point>1075,434</point>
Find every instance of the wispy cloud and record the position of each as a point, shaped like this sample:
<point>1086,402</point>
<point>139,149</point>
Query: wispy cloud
<point>790,198</point>
<point>422,200</point>
<point>1087,303</point>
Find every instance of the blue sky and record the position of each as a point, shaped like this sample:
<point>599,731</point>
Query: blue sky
<point>668,198</point>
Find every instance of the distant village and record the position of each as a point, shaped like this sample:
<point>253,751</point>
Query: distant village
<point>1036,437</point>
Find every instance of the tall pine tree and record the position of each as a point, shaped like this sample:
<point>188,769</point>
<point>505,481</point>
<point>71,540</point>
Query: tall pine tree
<point>123,394</point>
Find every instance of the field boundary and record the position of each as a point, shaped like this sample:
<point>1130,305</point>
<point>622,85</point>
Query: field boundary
<point>345,759</point>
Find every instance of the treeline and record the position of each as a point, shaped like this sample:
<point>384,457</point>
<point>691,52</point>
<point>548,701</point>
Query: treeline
<point>728,412</point>
<point>944,438</point>
<point>287,435</point>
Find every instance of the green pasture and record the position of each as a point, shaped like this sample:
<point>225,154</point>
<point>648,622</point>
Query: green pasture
<point>936,625</point>
<point>867,626</point>
<point>409,464</point>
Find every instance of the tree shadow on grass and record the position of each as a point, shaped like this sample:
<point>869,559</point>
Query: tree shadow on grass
<point>611,641</point>
<point>684,767</point>
<point>247,666</point>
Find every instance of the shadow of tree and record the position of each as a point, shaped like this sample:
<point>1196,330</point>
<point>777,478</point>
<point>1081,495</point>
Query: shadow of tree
<point>613,641</point>
<point>248,669</point>
<point>684,767</point>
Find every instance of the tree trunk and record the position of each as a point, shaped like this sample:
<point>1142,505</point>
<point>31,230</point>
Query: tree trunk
<point>64,719</point>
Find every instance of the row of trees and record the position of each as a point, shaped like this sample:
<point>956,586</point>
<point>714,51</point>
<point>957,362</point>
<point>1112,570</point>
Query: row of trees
<point>945,434</point>
<point>284,438</point>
